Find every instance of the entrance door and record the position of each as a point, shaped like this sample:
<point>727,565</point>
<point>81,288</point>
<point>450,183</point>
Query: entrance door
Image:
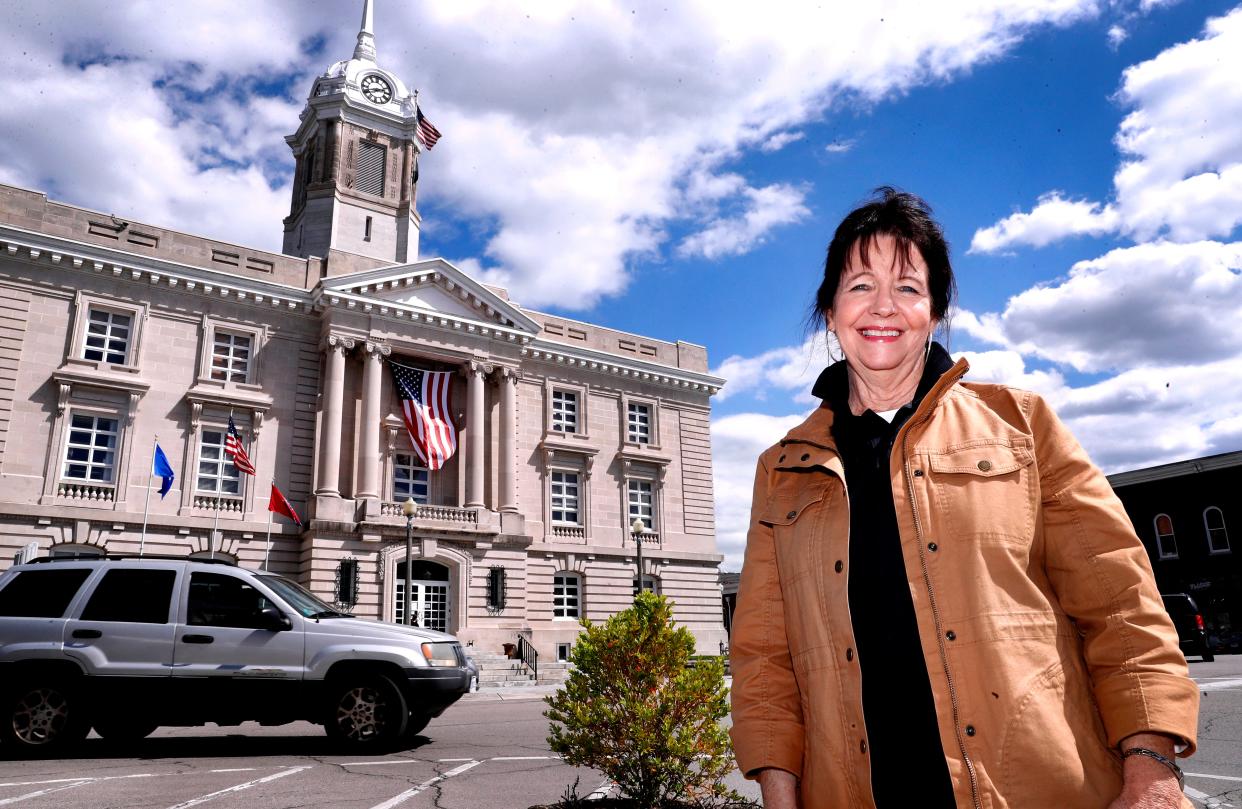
<point>430,604</point>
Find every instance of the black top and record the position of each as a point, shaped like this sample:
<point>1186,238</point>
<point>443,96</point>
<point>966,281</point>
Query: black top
<point>903,738</point>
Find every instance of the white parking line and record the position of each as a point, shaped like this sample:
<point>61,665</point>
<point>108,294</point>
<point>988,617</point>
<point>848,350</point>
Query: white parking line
<point>40,792</point>
<point>240,787</point>
<point>1219,685</point>
<point>1206,799</point>
<point>389,761</point>
<point>236,769</point>
<point>1208,775</point>
<point>522,758</point>
<point>397,800</point>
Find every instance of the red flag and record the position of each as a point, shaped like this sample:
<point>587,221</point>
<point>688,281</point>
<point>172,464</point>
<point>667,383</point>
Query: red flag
<point>280,505</point>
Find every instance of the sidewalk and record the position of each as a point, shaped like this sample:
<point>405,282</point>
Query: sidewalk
<point>521,692</point>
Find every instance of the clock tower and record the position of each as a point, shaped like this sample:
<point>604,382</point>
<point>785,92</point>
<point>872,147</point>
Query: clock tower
<point>356,150</point>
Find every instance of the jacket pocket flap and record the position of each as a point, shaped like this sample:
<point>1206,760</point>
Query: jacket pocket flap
<point>785,507</point>
<point>983,460</point>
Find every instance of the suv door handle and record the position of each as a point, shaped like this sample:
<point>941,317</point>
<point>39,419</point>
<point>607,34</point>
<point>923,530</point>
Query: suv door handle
<point>87,633</point>
<point>197,639</point>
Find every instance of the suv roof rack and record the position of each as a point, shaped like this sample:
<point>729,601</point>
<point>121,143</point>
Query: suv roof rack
<point>111,557</point>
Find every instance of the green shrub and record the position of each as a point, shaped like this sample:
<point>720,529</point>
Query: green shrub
<point>634,710</point>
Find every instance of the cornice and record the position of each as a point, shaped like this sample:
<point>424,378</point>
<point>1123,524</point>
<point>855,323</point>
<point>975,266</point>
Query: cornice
<point>68,253</point>
<point>636,370</point>
<point>405,313</point>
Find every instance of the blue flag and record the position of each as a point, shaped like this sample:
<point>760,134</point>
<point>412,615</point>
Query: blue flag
<point>163,469</point>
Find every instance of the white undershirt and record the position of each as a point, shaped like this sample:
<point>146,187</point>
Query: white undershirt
<point>887,415</point>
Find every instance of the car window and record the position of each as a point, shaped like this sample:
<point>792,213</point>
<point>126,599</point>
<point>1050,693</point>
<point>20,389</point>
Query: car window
<point>138,596</point>
<point>219,600</point>
<point>42,593</point>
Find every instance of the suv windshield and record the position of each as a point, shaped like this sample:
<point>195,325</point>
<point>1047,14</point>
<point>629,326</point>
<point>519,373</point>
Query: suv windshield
<point>300,598</point>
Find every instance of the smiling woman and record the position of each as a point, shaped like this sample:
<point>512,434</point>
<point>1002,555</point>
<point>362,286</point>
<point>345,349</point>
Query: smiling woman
<point>939,587</point>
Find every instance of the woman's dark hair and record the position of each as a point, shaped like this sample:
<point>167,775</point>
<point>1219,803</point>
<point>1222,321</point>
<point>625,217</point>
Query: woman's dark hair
<point>908,219</point>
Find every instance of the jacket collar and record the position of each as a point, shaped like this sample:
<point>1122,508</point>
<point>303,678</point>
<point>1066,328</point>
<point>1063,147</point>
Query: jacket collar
<point>817,429</point>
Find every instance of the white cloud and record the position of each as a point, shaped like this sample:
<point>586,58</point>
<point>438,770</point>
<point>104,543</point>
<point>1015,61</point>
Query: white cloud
<point>1181,176</point>
<point>766,209</point>
<point>1055,217</point>
<point>840,146</point>
<point>780,140</point>
<point>790,368</point>
<point>570,128</point>
<point>1117,35</point>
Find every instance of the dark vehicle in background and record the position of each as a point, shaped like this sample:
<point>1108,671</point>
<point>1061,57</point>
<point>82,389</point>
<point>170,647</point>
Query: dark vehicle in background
<point>1191,633</point>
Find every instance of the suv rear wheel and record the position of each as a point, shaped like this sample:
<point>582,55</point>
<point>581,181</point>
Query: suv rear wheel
<point>43,716</point>
<point>365,711</point>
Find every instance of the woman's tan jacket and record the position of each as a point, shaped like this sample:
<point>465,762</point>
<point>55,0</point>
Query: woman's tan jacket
<point>1045,639</point>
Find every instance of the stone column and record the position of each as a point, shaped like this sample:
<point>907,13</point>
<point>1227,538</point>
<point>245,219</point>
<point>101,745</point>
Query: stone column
<point>475,430</point>
<point>508,438</point>
<point>330,426</point>
<point>369,433</point>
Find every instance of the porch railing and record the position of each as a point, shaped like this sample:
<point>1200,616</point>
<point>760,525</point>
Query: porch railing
<point>441,513</point>
<point>527,653</point>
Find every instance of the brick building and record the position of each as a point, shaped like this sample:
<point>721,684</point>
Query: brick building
<point>116,333</point>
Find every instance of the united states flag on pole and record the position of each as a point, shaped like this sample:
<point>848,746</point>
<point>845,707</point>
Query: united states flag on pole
<point>427,408</point>
<point>426,130</point>
<point>234,449</point>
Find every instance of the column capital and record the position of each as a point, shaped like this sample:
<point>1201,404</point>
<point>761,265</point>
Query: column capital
<point>376,348</point>
<point>505,373</point>
<point>477,367</point>
<point>338,342</point>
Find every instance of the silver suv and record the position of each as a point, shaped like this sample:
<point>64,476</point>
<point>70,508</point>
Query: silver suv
<point>126,645</point>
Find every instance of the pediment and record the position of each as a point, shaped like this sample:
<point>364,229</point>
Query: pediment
<point>433,287</point>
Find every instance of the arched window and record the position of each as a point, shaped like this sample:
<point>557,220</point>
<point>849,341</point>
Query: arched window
<point>1166,543</point>
<point>566,595</point>
<point>1214,525</point>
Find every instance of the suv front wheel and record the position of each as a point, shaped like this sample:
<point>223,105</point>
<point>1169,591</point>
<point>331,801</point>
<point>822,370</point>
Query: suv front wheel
<point>365,711</point>
<point>43,716</point>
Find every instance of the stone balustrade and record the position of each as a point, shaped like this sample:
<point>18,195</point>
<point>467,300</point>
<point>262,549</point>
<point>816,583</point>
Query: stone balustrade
<point>86,492</point>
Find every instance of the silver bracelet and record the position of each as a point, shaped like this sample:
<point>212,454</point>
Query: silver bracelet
<point>1165,760</point>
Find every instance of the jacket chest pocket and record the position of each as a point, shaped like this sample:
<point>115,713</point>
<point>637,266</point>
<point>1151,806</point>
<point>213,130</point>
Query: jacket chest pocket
<point>985,490</point>
<point>795,511</point>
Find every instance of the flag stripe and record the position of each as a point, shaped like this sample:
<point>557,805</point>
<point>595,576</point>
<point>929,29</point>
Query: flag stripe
<point>426,409</point>
<point>236,452</point>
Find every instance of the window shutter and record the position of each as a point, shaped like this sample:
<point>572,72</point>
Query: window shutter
<point>370,169</point>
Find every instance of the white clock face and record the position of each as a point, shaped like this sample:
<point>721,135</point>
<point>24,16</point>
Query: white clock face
<point>376,89</point>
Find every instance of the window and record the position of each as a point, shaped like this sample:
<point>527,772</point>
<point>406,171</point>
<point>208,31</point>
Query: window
<point>565,497</point>
<point>41,593</point>
<point>650,583</point>
<point>566,595</point>
<point>219,600</point>
<point>216,472</point>
<point>230,356</point>
<point>1214,525</point>
<point>496,589</point>
<point>138,596</point>
<point>562,652</point>
<point>564,411</point>
<point>107,336</point>
<point>1166,543</point>
<point>370,177</point>
<point>347,582</point>
<point>366,234</point>
<point>641,503</point>
<point>638,420</point>
<point>409,479</point>
<point>90,452</point>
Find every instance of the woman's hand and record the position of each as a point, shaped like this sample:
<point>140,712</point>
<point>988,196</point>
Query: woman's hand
<point>1148,783</point>
<point>780,789</point>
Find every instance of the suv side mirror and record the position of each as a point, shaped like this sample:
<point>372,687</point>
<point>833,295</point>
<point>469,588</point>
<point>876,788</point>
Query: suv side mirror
<point>274,620</point>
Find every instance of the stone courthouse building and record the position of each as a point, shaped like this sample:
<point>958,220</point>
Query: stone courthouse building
<point>115,334</point>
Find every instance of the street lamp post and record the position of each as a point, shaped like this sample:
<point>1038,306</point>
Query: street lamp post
<point>408,508</point>
<point>638,528</point>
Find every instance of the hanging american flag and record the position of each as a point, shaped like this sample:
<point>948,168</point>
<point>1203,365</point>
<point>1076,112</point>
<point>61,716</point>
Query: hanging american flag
<point>234,449</point>
<point>426,130</point>
<point>427,409</point>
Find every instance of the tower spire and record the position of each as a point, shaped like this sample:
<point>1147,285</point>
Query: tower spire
<point>365,49</point>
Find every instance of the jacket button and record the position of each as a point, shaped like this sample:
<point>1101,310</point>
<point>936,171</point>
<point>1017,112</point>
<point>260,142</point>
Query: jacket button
<point>932,546</point>
<point>951,635</point>
<point>984,465</point>
<point>839,566</point>
<point>806,456</point>
<point>970,730</point>
<point>791,515</point>
<point>862,746</point>
<point>781,459</point>
<point>849,654</point>
<point>918,473</point>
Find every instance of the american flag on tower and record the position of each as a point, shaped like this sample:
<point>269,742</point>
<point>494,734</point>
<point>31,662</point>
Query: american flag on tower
<point>426,130</point>
<point>426,407</point>
<point>234,449</point>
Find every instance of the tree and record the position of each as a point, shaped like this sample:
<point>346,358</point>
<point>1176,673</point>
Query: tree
<point>634,709</point>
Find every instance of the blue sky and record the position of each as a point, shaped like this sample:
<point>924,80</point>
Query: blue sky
<point>677,170</point>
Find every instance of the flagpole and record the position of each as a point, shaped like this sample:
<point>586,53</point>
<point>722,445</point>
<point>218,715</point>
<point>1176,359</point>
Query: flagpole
<point>267,550</point>
<point>146,506</point>
<point>211,540</point>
